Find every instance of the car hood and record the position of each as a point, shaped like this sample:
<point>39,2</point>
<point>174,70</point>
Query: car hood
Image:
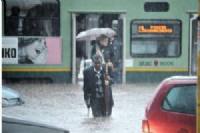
<point>16,125</point>
<point>8,93</point>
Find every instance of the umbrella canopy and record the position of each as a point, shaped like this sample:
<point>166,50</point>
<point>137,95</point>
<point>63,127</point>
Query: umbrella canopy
<point>94,33</point>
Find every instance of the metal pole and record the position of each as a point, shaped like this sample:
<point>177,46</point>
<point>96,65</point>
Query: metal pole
<point>198,72</point>
<point>193,18</point>
<point>74,49</point>
<point>124,49</point>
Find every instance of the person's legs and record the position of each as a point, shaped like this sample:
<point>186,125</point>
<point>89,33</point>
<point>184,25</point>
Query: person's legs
<point>98,108</point>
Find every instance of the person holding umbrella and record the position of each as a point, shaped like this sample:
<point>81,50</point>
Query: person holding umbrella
<point>103,49</point>
<point>95,84</point>
<point>106,51</point>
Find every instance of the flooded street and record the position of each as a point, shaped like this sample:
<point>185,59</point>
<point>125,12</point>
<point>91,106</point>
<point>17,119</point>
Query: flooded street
<point>62,105</point>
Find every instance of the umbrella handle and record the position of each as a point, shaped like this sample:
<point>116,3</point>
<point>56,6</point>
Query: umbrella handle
<point>98,52</point>
<point>88,112</point>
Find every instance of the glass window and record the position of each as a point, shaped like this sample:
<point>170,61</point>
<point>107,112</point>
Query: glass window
<point>181,99</point>
<point>156,7</point>
<point>155,38</point>
<point>32,18</point>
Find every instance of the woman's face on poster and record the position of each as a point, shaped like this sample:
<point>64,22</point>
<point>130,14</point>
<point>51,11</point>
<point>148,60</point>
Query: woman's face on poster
<point>37,51</point>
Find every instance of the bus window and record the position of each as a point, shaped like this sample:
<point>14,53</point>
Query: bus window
<point>156,6</point>
<point>155,38</point>
<point>32,18</point>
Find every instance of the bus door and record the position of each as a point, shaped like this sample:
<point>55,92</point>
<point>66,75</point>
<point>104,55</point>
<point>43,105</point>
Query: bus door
<point>82,49</point>
<point>193,45</point>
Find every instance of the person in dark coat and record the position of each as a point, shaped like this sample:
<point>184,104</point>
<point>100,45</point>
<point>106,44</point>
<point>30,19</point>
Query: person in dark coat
<point>105,50</point>
<point>94,87</point>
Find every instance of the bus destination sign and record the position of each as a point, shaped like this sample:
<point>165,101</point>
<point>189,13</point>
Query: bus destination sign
<point>154,29</point>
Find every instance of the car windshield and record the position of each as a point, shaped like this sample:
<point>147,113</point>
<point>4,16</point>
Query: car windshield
<point>181,99</point>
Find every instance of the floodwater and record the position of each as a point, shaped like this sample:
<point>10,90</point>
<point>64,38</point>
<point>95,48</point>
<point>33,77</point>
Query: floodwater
<point>62,105</point>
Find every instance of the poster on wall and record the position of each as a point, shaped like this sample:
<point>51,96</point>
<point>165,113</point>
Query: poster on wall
<point>10,50</point>
<point>31,50</point>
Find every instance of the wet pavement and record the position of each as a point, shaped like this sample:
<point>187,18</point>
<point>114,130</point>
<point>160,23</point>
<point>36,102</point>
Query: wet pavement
<point>62,105</point>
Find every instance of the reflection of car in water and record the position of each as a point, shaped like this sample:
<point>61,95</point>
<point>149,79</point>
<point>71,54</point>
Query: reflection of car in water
<point>173,107</point>
<point>11,125</point>
<point>10,97</point>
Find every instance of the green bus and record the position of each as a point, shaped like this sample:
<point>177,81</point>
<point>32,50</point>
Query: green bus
<point>154,39</point>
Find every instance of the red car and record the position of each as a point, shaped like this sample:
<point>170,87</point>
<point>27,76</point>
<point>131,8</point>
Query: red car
<point>173,107</point>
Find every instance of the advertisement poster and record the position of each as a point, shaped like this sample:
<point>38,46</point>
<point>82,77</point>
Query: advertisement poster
<point>54,50</point>
<point>29,50</point>
<point>10,50</point>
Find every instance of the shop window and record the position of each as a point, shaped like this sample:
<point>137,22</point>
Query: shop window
<point>32,18</point>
